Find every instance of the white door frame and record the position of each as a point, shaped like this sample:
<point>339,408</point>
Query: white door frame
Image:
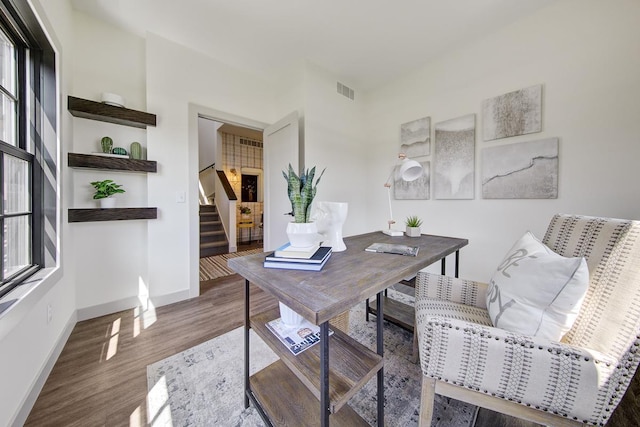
<point>196,110</point>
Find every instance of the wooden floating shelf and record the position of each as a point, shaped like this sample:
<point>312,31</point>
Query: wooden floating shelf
<point>92,161</point>
<point>113,214</point>
<point>93,110</point>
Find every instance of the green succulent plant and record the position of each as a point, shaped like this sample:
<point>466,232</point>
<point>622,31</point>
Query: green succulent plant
<point>106,188</point>
<point>245,210</point>
<point>413,221</point>
<point>301,190</point>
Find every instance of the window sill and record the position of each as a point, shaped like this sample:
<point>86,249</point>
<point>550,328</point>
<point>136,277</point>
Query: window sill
<point>23,298</point>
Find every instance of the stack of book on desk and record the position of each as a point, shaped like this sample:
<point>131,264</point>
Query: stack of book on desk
<point>291,258</point>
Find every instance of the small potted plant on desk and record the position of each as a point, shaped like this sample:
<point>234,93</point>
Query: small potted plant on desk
<point>413,226</point>
<point>104,192</point>
<point>301,190</point>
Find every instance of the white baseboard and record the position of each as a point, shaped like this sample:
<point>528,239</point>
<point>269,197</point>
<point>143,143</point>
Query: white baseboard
<point>161,300</point>
<point>107,308</point>
<point>30,400</point>
<point>128,304</point>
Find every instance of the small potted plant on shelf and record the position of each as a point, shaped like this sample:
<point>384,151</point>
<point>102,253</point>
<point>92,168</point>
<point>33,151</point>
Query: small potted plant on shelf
<point>104,190</point>
<point>245,211</point>
<point>301,190</point>
<point>413,226</point>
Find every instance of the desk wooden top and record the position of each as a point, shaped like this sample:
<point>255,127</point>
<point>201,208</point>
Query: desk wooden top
<point>348,277</point>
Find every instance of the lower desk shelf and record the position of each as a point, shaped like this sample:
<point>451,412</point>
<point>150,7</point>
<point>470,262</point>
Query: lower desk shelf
<point>351,364</point>
<point>397,312</point>
<point>288,402</point>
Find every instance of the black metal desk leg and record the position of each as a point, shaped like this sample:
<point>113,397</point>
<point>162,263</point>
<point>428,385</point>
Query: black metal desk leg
<point>246,344</point>
<point>380,349</point>
<point>443,265</point>
<point>457,261</point>
<point>324,374</point>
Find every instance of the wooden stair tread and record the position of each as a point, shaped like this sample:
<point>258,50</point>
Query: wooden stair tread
<point>213,244</point>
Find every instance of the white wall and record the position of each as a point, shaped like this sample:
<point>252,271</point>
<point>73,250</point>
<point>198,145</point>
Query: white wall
<point>585,55</point>
<point>110,257</point>
<point>207,142</point>
<point>335,140</point>
<point>171,88</point>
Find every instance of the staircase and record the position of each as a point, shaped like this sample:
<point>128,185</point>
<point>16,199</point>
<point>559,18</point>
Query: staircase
<point>213,241</point>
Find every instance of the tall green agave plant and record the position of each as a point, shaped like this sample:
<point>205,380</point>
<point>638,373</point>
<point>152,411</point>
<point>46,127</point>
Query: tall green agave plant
<point>301,191</point>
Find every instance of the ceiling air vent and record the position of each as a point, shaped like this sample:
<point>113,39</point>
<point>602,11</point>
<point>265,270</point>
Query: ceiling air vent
<point>345,90</point>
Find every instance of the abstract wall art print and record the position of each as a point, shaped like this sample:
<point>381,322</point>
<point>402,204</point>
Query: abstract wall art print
<point>522,170</point>
<point>454,165</point>
<point>514,113</point>
<point>413,190</point>
<point>415,137</point>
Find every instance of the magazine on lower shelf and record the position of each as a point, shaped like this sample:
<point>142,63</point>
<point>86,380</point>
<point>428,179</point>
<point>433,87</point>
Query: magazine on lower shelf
<point>296,338</point>
<point>390,248</point>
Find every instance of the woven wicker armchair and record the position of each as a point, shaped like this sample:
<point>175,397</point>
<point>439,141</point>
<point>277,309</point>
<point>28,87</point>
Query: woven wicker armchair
<point>579,380</point>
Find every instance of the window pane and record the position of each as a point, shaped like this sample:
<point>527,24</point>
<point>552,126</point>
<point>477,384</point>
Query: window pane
<point>16,185</point>
<point>8,121</point>
<point>17,244</point>
<point>7,64</point>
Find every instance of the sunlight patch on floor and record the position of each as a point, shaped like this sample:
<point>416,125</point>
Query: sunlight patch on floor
<point>159,411</point>
<point>145,314</point>
<point>112,349</point>
<point>136,418</point>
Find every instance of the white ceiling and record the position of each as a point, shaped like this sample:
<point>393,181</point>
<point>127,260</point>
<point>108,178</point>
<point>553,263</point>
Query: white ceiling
<point>364,42</point>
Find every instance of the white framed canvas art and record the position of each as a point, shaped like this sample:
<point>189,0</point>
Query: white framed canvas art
<point>514,113</point>
<point>413,190</point>
<point>415,137</point>
<point>454,165</point>
<point>522,170</point>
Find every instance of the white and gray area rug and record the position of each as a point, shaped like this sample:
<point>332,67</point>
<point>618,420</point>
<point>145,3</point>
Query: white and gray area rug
<point>204,385</point>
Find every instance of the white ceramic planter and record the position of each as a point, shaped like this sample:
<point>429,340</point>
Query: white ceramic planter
<point>107,202</point>
<point>413,231</point>
<point>302,235</point>
<point>288,316</point>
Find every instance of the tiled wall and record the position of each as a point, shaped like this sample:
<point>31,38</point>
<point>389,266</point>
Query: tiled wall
<point>239,152</point>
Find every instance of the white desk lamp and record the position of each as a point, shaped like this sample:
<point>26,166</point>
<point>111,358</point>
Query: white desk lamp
<point>410,170</point>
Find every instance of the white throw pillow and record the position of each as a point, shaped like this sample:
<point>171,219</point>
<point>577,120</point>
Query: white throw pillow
<point>537,292</point>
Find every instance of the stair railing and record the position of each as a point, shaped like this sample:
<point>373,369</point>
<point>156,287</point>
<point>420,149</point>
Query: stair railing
<point>225,202</point>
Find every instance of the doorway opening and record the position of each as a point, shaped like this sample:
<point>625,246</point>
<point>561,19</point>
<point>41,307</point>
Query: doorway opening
<point>230,191</point>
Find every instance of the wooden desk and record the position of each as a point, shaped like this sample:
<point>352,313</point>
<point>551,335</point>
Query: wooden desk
<point>286,389</point>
